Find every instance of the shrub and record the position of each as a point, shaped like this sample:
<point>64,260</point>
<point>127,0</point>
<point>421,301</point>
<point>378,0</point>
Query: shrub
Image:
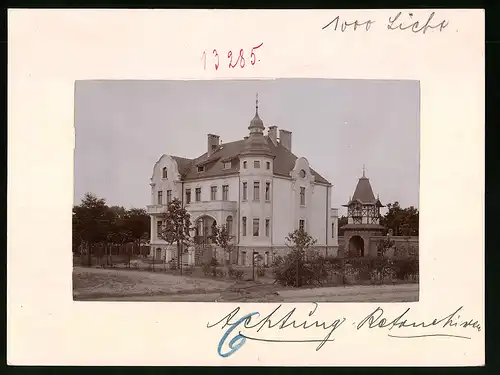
<point>214,263</point>
<point>207,269</point>
<point>285,270</point>
<point>261,270</point>
<point>172,264</point>
<point>238,274</point>
<point>405,269</point>
<point>220,273</point>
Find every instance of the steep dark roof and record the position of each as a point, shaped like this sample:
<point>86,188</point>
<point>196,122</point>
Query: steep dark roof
<point>184,164</point>
<point>364,193</point>
<point>284,162</point>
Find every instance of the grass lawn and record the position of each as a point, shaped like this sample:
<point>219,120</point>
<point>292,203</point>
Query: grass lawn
<point>90,283</point>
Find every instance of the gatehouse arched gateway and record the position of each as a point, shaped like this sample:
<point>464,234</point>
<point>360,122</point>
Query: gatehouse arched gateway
<point>356,246</point>
<point>363,221</point>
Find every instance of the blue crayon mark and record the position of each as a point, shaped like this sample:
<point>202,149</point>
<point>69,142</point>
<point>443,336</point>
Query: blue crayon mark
<point>236,342</point>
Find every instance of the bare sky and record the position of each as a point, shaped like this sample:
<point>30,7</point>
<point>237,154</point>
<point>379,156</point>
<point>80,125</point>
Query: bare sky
<point>123,127</point>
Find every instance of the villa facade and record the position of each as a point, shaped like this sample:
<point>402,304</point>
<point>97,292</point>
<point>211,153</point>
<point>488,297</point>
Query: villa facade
<point>256,186</point>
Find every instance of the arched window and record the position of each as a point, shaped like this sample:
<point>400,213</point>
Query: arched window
<point>164,172</point>
<point>229,225</point>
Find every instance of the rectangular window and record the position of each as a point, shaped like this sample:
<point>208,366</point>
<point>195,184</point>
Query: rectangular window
<point>158,228</point>
<point>169,196</point>
<point>268,191</point>
<point>198,194</point>
<point>268,165</point>
<point>213,193</point>
<point>201,169</point>
<point>188,196</point>
<point>160,197</point>
<point>245,191</point>
<point>302,196</point>
<point>256,227</point>
<point>302,224</point>
<point>256,164</point>
<point>225,192</point>
<point>333,230</point>
<point>164,173</point>
<point>227,165</point>
<point>267,227</point>
<point>243,226</point>
<point>256,190</point>
<point>244,165</point>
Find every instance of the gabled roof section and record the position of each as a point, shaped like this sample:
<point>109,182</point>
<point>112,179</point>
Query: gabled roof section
<point>284,162</point>
<point>183,164</point>
<point>214,164</point>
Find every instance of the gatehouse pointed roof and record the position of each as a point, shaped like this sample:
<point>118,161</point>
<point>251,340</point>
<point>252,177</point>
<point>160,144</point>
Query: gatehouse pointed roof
<point>364,193</point>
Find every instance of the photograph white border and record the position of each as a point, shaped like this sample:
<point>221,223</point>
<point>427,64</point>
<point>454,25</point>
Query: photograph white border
<point>48,50</point>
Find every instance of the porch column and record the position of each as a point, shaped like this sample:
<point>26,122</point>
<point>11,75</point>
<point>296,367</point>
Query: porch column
<point>153,228</point>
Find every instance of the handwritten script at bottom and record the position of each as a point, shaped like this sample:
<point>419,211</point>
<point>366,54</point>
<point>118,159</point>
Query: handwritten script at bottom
<point>281,326</point>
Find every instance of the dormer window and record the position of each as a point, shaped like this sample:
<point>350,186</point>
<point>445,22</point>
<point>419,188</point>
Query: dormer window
<point>268,165</point>
<point>164,172</point>
<point>201,169</point>
<point>227,165</point>
<point>302,173</point>
<point>244,165</point>
<point>256,164</point>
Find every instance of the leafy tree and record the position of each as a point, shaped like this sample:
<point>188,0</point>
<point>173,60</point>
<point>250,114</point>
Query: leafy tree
<point>293,268</point>
<point>402,221</point>
<point>91,222</point>
<point>384,245</point>
<point>176,227</point>
<point>222,239</point>
<point>138,223</point>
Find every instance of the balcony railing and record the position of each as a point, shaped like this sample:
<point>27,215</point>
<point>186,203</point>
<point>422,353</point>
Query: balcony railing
<point>156,209</point>
<point>207,206</point>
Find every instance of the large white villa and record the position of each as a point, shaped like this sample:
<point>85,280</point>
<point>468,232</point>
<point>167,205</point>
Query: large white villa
<point>255,185</point>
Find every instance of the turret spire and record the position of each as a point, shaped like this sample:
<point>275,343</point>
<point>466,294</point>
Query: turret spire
<point>256,144</point>
<point>363,171</point>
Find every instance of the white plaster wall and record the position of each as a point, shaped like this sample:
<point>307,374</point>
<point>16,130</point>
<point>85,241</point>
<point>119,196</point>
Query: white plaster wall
<point>319,213</point>
<point>206,184</point>
<point>256,209</point>
<point>283,211</point>
<point>172,182</point>
<point>333,240</point>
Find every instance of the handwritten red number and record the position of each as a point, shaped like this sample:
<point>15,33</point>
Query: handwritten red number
<point>230,57</point>
<point>242,59</point>
<point>217,56</point>
<point>252,55</point>
<point>204,58</point>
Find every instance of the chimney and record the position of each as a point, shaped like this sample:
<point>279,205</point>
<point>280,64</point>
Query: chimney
<point>272,133</point>
<point>212,143</point>
<point>286,139</point>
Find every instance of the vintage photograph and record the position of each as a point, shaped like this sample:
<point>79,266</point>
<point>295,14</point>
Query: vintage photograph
<point>285,190</point>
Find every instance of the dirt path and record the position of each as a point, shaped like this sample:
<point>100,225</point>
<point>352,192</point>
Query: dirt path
<point>96,283</point>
